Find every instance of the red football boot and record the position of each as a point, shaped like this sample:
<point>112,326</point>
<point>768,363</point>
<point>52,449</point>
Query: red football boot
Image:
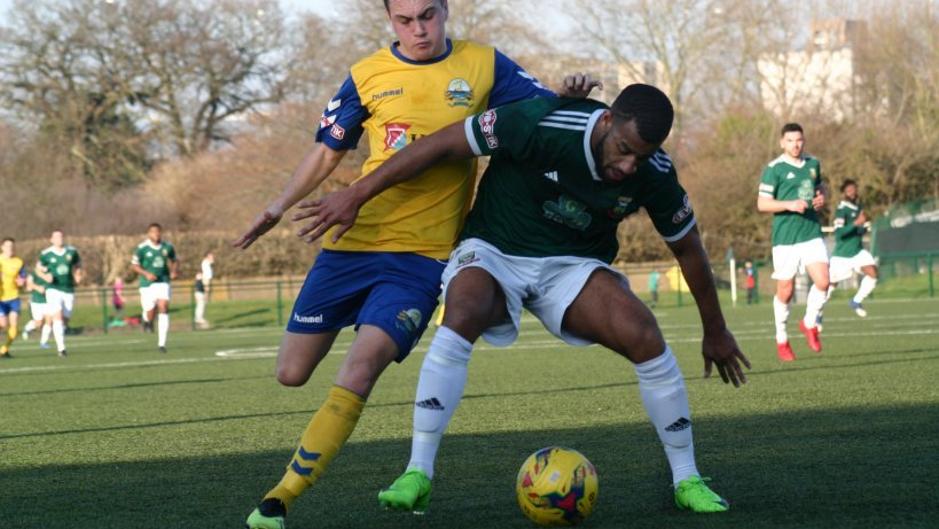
<point>811,337</point>
<point>784,352</point>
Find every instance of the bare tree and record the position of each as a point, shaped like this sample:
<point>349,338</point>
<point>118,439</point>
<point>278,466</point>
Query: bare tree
<point>181,70</point>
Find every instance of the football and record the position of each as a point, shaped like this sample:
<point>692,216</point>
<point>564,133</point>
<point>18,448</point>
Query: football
<point>557,486</point>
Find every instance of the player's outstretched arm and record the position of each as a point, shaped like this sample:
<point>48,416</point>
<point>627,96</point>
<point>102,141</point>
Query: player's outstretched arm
<point>342,207</point>
<point>719,346</point>
<point>318,164</point>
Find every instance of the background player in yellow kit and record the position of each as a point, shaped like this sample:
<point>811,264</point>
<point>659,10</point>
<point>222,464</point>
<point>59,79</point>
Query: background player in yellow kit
<point>12,277</point>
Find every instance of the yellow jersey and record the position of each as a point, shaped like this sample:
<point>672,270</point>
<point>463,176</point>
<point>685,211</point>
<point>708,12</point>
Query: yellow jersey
<point>11,268</point>
<point>397,100</point>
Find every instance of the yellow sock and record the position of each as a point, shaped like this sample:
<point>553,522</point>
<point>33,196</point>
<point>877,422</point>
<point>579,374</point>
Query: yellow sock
<point>328,430</point>
<point>12,333</point>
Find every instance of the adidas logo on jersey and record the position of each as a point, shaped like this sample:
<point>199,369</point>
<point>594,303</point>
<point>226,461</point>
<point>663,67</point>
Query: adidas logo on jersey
<point>552,175</point>
<point>790,176</point>
<point>430,404</point>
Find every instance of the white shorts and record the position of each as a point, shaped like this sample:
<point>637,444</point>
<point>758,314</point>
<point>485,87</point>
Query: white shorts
<point>56,301</point>
<point>38,310</point>
<point>842,268</point>
<point>149,295</point>
<point>545,286</point>
<point>788,259</point>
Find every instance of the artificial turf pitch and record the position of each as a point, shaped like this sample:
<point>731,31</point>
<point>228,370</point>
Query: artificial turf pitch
<point>119,436</point>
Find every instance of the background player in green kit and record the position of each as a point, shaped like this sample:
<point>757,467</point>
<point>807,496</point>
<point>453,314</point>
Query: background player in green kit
<point>61,266</point>
<point>155,261</point>
<point>541,235</point>
<point>849,256</point>
<point>791,189</point>
<point>38,309</point>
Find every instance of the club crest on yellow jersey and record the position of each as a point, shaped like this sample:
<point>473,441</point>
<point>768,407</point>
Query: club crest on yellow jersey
<point>459,93</point>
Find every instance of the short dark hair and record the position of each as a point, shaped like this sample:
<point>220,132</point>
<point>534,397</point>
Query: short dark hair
<point>847,182</point>
<point>790,127</point>
<point>5,239</point>
<point>649,107</point>
<point>155,225</point>
<point>386,5</point>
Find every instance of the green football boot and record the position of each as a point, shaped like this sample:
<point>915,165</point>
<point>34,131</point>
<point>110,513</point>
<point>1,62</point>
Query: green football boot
<point>269,515</point>
<point>410,492</point>
<point>693,494</point>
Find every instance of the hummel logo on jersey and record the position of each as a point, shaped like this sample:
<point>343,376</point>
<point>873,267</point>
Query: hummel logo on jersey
<point>790,176</point>
<point>333,105</point>
<point>430,404</point>
<point>307,319</point>
<point>552,175</point>
<point>679,425</point>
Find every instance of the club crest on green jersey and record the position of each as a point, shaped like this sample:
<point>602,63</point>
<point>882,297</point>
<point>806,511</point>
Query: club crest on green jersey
<point>459,93</point>
<point>568,212</point>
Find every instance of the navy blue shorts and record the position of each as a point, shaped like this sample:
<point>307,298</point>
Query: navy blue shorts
<point>6,307</point>
<point>396,292</point>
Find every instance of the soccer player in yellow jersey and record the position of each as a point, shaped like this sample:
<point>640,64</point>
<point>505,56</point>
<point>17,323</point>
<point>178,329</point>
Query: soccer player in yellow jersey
<point>383,276</point>
<point>12,277</point>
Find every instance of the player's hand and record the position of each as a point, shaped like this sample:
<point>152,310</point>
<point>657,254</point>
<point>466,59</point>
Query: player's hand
<point>796,206</point>
<point>335,209</point>
<point>261,225</point>
<point>579,85</point>
<point>861,219</point>
<point>720,349</point>
<point>150,276</point>
<point>819,201</point>
<point>173,274</point>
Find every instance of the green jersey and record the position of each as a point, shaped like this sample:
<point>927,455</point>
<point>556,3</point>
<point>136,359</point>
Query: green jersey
<point>541,194</point>
<point>154,258</point>
<point>36,296</point>
<point>62,266</point>
<point>782,180</point>
<point>847,235</point>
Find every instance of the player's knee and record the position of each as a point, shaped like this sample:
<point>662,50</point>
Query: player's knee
<point>292,375</point>
<point>823,284</point>
<point>467,320</point>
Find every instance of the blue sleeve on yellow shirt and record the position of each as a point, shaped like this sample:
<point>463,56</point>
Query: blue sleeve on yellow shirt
<point>512,83</point>
<point>341,122</point>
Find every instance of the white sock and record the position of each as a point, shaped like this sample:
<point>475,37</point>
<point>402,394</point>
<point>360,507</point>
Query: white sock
<point>813,305</point>
<point>867,286</point>
<point>439,390</point>
<point>781,314</point>
<point>44,334</point>
<point>163,327</point>
<point>30,326</point>
<point>58,332</point>
<point>662,388</point>
<point>145,316</point>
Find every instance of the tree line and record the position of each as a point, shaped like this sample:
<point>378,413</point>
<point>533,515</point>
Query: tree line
<point>193,114</point>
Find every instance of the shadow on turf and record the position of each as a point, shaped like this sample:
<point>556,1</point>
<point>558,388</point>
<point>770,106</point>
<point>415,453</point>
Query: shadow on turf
<point>221,418</point>
<point>130,386</point>
<point>847,467</point>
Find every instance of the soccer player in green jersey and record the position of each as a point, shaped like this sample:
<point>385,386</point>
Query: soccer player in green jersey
<point>155,261</point>
<point>60,265</point>
<point>541,236</point>
<point>849,256</point>
<point>36,286</point>
<point>791,189</point>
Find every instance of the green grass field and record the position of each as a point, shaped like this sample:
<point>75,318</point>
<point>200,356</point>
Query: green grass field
<point>118,436</point>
